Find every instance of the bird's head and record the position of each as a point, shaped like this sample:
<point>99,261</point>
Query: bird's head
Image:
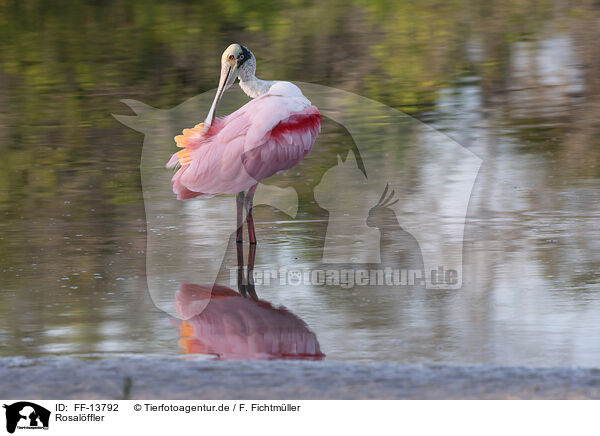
<point>239,60</point>
<point>236,61</point>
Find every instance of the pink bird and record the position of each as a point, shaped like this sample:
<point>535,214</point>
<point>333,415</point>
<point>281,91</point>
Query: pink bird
<point>230,155</point>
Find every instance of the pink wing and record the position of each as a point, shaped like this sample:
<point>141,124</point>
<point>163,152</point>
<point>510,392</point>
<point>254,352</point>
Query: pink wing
<point>269,134</point>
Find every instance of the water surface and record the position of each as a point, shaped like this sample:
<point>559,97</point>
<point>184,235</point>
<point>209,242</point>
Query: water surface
<point>516,84</point>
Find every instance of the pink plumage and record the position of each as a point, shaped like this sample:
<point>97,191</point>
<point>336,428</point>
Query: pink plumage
<point>267,135</point>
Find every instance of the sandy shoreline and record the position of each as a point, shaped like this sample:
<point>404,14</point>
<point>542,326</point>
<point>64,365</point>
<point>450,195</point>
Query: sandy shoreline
<point>174,378</point>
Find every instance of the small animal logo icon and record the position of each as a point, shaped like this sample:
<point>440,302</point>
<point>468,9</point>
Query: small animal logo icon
<point>26,415</point>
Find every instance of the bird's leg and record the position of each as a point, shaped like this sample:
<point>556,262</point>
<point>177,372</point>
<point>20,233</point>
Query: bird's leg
<point>239,199</point>
<point>249,218</point>
<point>240,274</point>
<point>250,271</point>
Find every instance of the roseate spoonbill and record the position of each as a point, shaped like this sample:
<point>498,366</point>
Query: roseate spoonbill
<point>230,155</point>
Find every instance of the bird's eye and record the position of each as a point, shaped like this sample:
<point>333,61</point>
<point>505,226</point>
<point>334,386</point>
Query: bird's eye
<point>241,56</point>
<point>231,57</point>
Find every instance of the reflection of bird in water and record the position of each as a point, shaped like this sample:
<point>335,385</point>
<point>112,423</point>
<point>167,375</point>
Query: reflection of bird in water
<point>233,327</point>
<point>237,325</point>
<point>399,249</point>
<point>230,155</point>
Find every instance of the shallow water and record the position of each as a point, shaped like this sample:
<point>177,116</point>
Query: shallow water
<point>516,86</point>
